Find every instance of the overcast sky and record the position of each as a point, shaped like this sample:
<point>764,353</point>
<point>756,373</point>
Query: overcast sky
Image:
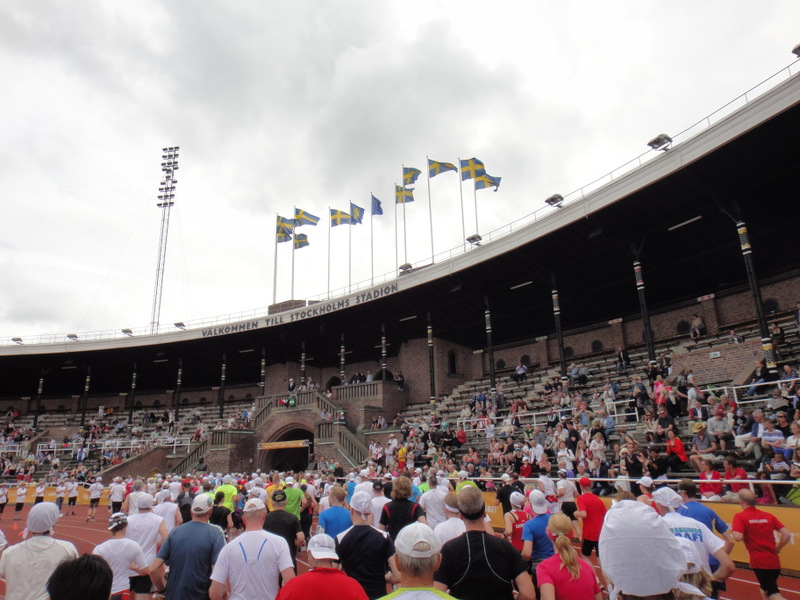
<point>314,105</point>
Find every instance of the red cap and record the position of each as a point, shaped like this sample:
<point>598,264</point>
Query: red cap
<point>585,482</point>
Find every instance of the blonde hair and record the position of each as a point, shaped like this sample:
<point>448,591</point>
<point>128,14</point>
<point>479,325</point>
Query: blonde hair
<point>560,526</point>
<point>401,488</point>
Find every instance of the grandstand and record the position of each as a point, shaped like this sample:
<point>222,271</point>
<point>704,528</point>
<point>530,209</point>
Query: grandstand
<point>462,323</point>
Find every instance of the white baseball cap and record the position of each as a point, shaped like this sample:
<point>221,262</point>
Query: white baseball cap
<point>414,534</point>
<point>322,546</point>
<point>538,502</point>
<point>253,505</point>
<point>202,504</point>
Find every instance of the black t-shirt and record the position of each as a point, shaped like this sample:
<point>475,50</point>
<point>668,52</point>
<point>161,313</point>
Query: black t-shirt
<point>219,516</point>
<point>286,525</point>
<point>504,495</point>
<point>364,552</point>
<point>398,513</point>
<point>477,566</point>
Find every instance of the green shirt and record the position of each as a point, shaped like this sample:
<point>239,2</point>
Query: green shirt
<point>293,499</point>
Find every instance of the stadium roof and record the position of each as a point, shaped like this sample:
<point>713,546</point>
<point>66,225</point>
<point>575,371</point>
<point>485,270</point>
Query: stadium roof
<point>677,209</point>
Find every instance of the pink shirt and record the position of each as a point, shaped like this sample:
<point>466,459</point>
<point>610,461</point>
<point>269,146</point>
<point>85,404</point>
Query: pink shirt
<point>583,588</point>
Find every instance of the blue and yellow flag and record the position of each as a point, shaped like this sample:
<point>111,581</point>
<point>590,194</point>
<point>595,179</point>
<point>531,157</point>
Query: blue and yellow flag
<point>300,240</point>
<point>401,196</point>
<point>356,214</point>
<point>410,175</point>
<point>486,181</point>
<point>471,168</point>
<point>301,217</point>
<point>286,224</point>
<point>339,217</point>
<point>282,235</point>
<point>434,167</point>
<point>376,206</point>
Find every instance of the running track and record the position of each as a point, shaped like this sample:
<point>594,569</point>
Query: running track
<point>741,586</point>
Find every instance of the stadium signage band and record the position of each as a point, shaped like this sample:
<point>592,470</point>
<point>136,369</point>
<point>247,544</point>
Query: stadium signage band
<point>307,312</point>
<point>283,445</point>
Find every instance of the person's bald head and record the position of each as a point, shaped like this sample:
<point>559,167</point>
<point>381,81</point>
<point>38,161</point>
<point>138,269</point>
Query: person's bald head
<point>747,497</point>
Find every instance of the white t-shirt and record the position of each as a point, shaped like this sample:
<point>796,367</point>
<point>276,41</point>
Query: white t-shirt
<point>117,492</point>
<point>569,490</point>
<point>378,502</point>
<point>433,503</point>
<point>167,511</point>
<point>22,491</point>
<point>450,529</point>
<point>143,529</point>
<point>174,489</point>
<point>697,533</point>
<point>27,566</point>
<point>72,488</point>
<point>252,563</point>
<point>119,554</point>
<point>95,490</point>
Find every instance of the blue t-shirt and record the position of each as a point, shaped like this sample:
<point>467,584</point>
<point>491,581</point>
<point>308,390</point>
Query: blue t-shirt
<point>335,520</point>
<point>351,488</point>
<point>700,512</point>
<point>190,550</point>
<point>535,530</point>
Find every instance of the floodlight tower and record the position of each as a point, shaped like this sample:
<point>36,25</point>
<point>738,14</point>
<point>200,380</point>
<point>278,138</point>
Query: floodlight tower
<point>165,197</point>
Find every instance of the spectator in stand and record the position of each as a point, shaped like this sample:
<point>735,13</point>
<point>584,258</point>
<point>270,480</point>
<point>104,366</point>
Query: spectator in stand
<point>697,327</point>
<point>733,471</point>
<point>704,446</point>
<point>719,428</point>
<point>749,438</point>
<point>778,339</point>
<point>664,424</point>
<point>676,454</point>
<point>790,377</point>
<point>760,375</point>
<point>623,360</point>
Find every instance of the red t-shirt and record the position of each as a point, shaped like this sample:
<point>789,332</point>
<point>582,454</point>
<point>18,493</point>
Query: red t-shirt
<point>516,531</point>
<point>308,585</point>
<point>714,488</point>
<point>583,588</point>
<point>595,513</point>
<point>739,473</point>
<point>758,528</point>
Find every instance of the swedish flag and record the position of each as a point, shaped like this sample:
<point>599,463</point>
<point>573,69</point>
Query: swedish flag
<point>376,206</point>
<point>300,240</point>
<point>410,175</point>
<point>282,235</point>
<point>301,217</point>
<point>356,214</point>
<point>434,167</point>
<point>339,217</point>
<point>471,168</point>
<point>286,224</point>
<point>486,181</point>
<point>401,196</point>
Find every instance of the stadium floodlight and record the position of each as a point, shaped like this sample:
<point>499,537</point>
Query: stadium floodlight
<point>180,325</point>
<point>661,142</point>
<point>127,332</point>
<point>475,239</point>
<point>72,337</point>
<point>405,267</point>
<point>16,340</point>
<point>796,51</point>
<point>555,200</point>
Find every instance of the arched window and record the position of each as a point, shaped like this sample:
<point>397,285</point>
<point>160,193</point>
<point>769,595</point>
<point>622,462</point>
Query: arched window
<point>452,362</point>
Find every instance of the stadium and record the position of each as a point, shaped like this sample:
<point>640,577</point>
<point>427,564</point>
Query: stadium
<point>702,226</point>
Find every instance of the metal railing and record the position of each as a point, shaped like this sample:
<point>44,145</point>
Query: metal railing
<point>72,448</point>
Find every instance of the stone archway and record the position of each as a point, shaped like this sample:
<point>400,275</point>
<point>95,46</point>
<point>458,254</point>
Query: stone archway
<point>285,459</point>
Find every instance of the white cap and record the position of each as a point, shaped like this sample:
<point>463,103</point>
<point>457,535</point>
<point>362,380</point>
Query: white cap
<point>162,495</point>
<point>144,501</point>
<point>290,480</point>
<point>202,504</point>
<point>417,533</point>
<point>505,477</point>
<point>668,498</point>
<point>253,505</point>
<point>361,502</point>
<point>463,474</point>
<point>632,534</point>
<point>646,482</point>
<point>42,518</point>
<point>322,546</point>
<point>517,499</point>
<point>538,502</point>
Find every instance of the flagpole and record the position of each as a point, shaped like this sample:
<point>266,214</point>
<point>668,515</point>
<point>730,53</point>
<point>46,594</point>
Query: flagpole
<point>405,234</point>
<point>329,251</point>
<point>461,195</point>
<point>293,249</point>
<point>371,249</point>
<point>475,194</point>
<point>350,252</point>
<point>430,208</point>
<point>275,266</point>
<point>396,247</point>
